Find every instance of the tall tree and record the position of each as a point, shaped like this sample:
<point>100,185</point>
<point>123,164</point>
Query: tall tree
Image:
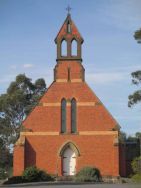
<point>21,97</point>
<point>136,77</point>
<point>136,96</point>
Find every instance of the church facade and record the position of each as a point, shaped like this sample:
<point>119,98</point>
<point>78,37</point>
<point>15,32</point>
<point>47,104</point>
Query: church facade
<point>70,128</point>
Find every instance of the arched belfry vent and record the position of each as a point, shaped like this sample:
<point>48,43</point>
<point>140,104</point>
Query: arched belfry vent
<point>69,34</point>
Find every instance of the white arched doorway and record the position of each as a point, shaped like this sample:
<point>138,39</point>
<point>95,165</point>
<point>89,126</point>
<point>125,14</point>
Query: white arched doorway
<point>69,162</point>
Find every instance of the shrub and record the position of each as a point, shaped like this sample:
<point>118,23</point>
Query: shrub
<point>45,177</point>
<point>3,174</point>
<point>15,180</point>
<point>34,174</point>
<point>88,174</point>
<point>31,174</point>
<point>136,165</point>
<point>136,178</point>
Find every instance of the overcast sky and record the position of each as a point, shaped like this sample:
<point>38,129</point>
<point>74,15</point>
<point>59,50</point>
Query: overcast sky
<point>110,53</point>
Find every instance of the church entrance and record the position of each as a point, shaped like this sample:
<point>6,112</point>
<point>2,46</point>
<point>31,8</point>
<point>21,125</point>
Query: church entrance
<point>69,162</point>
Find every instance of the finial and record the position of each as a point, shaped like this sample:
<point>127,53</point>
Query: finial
<point>68,9</point>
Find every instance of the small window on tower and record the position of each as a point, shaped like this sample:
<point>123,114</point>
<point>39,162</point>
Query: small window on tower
<point>64,48</point>
<point>68,27</point>
<point>74,47</point>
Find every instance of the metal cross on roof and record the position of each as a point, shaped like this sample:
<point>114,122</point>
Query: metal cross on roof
<point>68,9</point>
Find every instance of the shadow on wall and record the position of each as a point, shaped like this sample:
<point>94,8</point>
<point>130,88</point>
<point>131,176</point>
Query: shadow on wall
<point>30,155</point>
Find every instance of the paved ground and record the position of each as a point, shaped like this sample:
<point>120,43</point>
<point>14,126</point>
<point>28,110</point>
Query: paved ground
<point>44,185</point>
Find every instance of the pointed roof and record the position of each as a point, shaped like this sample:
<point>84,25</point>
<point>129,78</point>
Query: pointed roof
<point>63,31</point>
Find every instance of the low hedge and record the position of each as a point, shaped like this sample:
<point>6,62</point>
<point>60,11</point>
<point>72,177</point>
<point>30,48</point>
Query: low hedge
<point>15,180</point>
<point>30,174</point>
<point>34,174</point>
<point>88,174</point>
<point>136,178</point>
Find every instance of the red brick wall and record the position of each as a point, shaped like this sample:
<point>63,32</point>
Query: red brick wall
<point>89,118</point>
<point>43,151</point>
<point>76,70</point>
<point>18,160</point>
<point>95,150</point>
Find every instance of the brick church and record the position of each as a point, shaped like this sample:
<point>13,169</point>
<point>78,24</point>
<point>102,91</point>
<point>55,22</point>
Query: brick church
<point>70,128</point>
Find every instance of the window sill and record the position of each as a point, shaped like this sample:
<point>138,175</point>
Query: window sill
<point>69,133</point>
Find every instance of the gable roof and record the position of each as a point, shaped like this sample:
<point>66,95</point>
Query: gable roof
<point>63,31</point>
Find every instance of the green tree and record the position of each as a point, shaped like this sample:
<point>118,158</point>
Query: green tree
<point>137,36</point>
<point>6,159</point>
<point>138,135</point>
<point>136,78</point>
<point>136,165</point>
<point>21,97</point>
<point>122,136</point>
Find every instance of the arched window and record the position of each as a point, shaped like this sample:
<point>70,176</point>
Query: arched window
<point>68,27</point>
<point>63,116</point>
<point>64,48</point>
<point>74,47</point>
<point>73,116</point>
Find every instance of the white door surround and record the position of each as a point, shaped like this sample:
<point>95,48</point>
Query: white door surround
<point>69,162</point>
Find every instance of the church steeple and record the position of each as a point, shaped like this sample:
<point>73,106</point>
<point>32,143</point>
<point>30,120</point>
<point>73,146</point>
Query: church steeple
<point>67,39</point>
<point>69,67</point>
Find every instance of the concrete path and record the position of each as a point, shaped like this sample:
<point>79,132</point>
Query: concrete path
<point>47,185</point>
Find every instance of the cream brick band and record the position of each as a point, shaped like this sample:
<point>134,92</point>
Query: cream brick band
<point>20,141</point>
<point>68,134</point>
<point>86,104</point>
<point>98,132</point>
<point>72,80</point>
<point>69,104</point>
<point>76,80</point>
<point>61,80</point>
<point>39,133</point>
<point>51,104</point>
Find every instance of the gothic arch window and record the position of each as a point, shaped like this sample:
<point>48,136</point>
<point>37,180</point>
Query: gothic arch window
<point>70,145</point>
<point>63,116</point>
<point>74,47</point>
<point>73,116</point>
<point>63,48</point>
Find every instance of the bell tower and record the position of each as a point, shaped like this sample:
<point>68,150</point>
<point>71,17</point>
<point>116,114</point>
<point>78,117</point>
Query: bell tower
<point>69,57</point>
<point>70,37</point>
